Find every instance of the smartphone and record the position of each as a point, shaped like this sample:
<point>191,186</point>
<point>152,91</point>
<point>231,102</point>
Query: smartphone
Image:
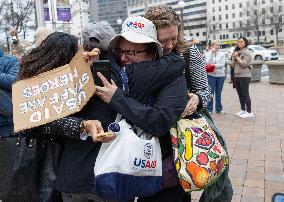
<point>102,66</point>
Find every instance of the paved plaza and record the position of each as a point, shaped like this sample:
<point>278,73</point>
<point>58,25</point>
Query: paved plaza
<point>256,145</point>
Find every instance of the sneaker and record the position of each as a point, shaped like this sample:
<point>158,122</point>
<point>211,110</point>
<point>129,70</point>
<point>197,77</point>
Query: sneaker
<point>240,113</point>
<point>246,115</point>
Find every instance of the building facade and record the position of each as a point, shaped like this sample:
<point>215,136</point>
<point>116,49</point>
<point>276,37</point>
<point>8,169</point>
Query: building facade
<point>112,11</point>
<point>80,17</point>
<point>258,20</point>
<point>194,14</point>
<point>225,20</point>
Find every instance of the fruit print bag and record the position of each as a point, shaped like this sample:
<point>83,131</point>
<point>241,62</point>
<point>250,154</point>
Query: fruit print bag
<point>199,157</point>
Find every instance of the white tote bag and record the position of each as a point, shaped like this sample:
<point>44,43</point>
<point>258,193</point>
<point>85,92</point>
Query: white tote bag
<point>129,166</point>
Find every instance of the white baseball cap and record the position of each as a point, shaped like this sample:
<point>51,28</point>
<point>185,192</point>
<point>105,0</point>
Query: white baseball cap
<point>138,30</point>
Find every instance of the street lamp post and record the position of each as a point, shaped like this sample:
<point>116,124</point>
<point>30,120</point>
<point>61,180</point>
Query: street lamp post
<point>181,5</point>
<point>119,22</point>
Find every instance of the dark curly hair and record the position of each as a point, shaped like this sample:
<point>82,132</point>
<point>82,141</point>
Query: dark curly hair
<point>55,51</point>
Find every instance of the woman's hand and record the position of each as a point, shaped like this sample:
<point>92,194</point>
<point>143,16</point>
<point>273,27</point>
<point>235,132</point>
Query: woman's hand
<point>107,91</point>
<point>191,105</point>
<point>91,56</point>
<point>95,130</point>
<point>236,54</point>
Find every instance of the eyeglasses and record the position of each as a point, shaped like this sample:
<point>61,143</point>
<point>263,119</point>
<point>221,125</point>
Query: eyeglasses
<point>119,52</point>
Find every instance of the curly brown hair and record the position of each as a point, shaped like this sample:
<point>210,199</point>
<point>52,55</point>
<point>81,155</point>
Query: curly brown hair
<point>56,50</point>
<point>163,16</point>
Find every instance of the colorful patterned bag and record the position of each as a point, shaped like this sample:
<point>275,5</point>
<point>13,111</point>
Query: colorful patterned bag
<point>199,157</point>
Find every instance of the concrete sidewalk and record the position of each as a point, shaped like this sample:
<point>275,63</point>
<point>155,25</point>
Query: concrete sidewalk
<point>256,145</point>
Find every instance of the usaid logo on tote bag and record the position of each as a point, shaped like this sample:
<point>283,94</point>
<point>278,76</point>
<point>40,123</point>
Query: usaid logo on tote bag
<point>146,163</point>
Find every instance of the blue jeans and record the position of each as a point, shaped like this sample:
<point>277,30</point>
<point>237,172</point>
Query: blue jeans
<point>216,84</point>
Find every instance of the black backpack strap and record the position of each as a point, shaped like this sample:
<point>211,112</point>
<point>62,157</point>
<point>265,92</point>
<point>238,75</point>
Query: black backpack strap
<point>186,56</point>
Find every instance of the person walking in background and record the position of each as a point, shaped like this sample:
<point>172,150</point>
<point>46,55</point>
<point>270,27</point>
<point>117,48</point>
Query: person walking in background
<point>217,77</point>
<point>241,62</point>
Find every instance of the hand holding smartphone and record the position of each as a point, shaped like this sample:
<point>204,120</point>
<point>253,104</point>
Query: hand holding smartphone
<point>102,66</point>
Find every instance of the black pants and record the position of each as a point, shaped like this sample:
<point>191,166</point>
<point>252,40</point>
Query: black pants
<point>242,86</point>
<point>172,194</point>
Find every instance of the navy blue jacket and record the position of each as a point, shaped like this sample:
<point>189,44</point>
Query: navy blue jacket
<point>9,70</point>
<point>163,79</point>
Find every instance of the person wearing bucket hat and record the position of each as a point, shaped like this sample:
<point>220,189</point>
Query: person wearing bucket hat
<point>138,30</point>
<point>156,78</point>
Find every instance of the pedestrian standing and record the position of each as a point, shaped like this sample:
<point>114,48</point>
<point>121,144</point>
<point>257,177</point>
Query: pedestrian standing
<point>241,62</point>
<point>217,77</point>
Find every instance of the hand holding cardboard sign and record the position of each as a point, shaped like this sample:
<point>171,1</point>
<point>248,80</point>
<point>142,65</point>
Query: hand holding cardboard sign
<point>89,57</point>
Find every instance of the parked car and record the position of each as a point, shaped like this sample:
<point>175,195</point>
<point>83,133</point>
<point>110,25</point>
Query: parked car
<point>261,53</point>
<point>227,52</point>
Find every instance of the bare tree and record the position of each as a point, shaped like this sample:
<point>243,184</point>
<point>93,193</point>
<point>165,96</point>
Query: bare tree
<point>17,14</point>
<point>255,16</point>
<point>276,16</point>
<point>210,29</point>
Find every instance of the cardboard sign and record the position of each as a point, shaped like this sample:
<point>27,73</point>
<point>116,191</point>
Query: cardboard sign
<point>53,94</point>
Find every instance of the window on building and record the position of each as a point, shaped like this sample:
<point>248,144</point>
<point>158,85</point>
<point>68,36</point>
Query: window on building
<point>279,30</point>
<point>214,27</point>
<point>220,9</point>
<point>263,33</point>
<point>271,9</point>
<point>197,33</point>
<point>227,16</point>
<point>234,24</point>
<point>213,9</point>
<point>226,7</point>
<point>234,36</point>
<point>263,21</point>
<point>213,18</point>
<point>281,19</point>
<point>233,6</point>
<point>255,12</point>
<point>220,17</point>
<point>241,24</point>
<point>241,14</point>
<point>224,36</point>
<point>247,13</point>
<point>271,1</point>
<point>227,36</point>
<point>220,26</point>
<point>227,26</point>
<point>263,1</point>
<point>271,32</point>
<point>233,15</point>
<point>220,1</point>
<point>263,10</point>
<point>248,3</point>
<point>220,37</point>
<point>255,2</point>
<point>240,5</point>
<point>280,9</point>
<point>213,1</point>
<point>271,20</point>
<point>248,34</point>
<point>204,33</point>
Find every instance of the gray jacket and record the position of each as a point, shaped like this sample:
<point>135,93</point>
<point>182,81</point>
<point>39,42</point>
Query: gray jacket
<point>218,59</point>
<point>243,68</point>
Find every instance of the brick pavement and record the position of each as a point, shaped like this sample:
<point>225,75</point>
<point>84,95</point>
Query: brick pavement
<point>256,145</point>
